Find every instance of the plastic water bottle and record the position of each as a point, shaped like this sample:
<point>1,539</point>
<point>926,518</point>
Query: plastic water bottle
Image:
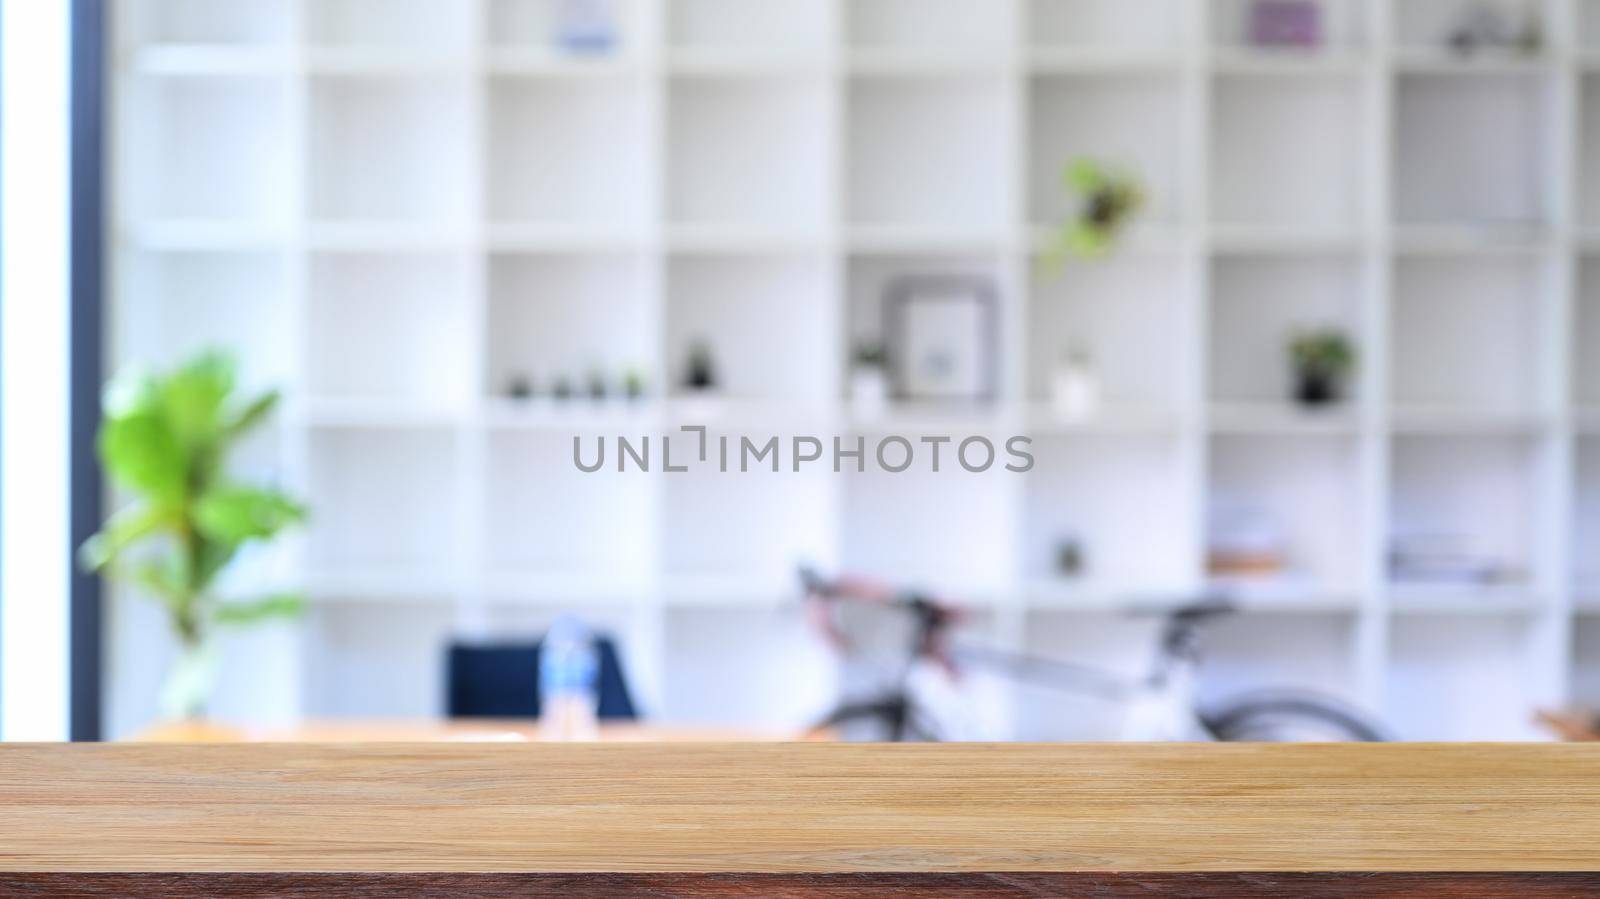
<point>569,672</point>
<point>586,26</point>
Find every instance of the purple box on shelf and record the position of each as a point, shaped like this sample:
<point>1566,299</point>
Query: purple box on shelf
<point>1286,23</point>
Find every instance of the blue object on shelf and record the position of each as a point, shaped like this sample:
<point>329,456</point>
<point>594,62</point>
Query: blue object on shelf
<point>502,681</point>
<point>587,26</point>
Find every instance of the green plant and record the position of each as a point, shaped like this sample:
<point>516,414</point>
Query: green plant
<point>1322,360</point>
<point>870,354</point>
<point>165,438</point>
<point>1326,353</point>
<point>1109,199</point>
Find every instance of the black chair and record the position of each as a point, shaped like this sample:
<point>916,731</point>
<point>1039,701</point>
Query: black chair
<point>502,681</point>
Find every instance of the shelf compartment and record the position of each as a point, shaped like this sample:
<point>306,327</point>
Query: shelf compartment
<point>1466,331</point>
<point>389,326</point>
<point>1129,123</point>
<point>786,672</point>
<point>1462,678</point>
<point>259,23</point>
<point>1259,304</point>
<point>207,150</point>
<point>1123,311</point>
<point>1471,149</point>
<point>384,500</point>
<point>901,527</point>
<point>1343,26</point>
<point>1586,333</point>
<point>555,316</point>
<point>569,152</point>
<point>1585,533</point>
<point>1116,498</point>
<point>962,27</point>
<point>1294,497</point>
<point>547,518</point>
<point>1585,682</point>
<point>746,26</point>
<point>177,304</point>
<point>1474,498</point>
<point>927,151</point>
<point>1588,161</point>
<point>1428,25</point>
<point>410,25</point>
<point>765,319</point>
<point>1126,25</point>
<point>390,149</point>
<point>748,152</point>
<point>871,277</point>
<point>754,526</point>
<point>1286,152</point>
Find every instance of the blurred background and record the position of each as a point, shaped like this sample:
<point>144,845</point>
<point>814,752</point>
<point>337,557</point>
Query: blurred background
<point>1297,300</point>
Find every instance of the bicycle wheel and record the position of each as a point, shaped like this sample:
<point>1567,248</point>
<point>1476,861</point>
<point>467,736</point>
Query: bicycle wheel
<point>1290,718</point>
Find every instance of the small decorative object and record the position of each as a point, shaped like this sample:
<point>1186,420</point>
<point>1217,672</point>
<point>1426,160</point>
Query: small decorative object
<point>1286,23</point>
<point>1246,544</point>
<point>701,373</point>
<point>633,384</point>
<point>1444,558</point>
<point>943,334</point>
<point>1109,201</point>
<point>1075,386</point>
<point>869,378</point>
<point>1322,363</point>
<point>597,388</point>
<point>586,26</point>
<point>561,388</point>
<point>519,387</point>
<point>1069,557</point>
<point>1486,27</point>
<point>165,438</point>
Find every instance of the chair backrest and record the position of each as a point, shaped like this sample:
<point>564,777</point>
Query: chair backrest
<point>502,681</point>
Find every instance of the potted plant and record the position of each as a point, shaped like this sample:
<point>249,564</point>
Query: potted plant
<point>700,373</point>
<point>1322,362</point>
<point>1108,201</point>
<point>869,378</point>
<point>165,438</point>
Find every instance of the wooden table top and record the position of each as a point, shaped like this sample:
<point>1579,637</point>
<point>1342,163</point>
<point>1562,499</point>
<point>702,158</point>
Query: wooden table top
<point>798,808</point>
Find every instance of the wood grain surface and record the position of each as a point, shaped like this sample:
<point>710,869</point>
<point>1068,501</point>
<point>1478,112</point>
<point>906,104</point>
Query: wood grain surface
<point>626,808</point>
<point>805,886</point>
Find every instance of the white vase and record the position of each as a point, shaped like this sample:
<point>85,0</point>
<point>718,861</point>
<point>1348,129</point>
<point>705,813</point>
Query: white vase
<point>869,392</point>
<point>1075,391</point>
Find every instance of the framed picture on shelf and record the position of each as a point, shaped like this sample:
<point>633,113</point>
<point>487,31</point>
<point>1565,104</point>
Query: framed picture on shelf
<point>942,333</point>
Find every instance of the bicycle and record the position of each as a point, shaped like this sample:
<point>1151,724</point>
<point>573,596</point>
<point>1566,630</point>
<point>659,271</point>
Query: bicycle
<point>910,627</point>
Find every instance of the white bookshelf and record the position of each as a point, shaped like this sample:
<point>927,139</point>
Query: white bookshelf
<point>393,208</point>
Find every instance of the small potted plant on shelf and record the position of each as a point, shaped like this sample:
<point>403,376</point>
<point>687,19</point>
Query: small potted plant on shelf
<point>634,386</point>
<point>165,438</point>
<point>869,378</point>
<point>1322,361</point>
<point>1108,202</point>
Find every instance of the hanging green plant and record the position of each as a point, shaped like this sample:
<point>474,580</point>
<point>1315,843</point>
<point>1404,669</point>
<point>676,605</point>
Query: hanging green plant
<point>1108,201</point>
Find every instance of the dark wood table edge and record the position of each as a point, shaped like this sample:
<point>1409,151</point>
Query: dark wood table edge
<point>990,885</point>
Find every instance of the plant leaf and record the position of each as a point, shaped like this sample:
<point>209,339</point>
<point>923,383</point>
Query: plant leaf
<point>193,397</point>
<point>250,416</point>
<point>233,515</point>
<point>254,611</point>
<point>142,453</point>
<point>124,529</point>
